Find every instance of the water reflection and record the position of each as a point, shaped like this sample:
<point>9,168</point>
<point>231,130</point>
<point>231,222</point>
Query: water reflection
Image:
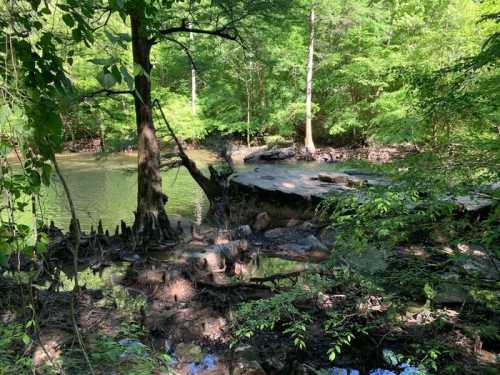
<point>106,188</point>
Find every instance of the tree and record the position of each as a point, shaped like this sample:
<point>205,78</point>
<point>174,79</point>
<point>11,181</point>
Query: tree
<point>152,22</point>
<point>308,142</point>
<point>193,79</point>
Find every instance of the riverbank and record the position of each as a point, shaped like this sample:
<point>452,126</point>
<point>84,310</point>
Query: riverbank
<point>219,301</point>
<point>360,284</point>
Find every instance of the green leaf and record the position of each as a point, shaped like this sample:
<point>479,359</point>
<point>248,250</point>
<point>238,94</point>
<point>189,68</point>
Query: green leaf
<point>116,74</point>
<point>68,20</point>
<point>103,61</point>
<point>46,172</point>
<point>26,339</point>
<point>118,38</point>
<point>138,70</point>
<point>106,79</point>
<point>127,77</point>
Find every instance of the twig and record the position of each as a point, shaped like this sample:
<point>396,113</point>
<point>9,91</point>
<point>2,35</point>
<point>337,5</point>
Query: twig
<point>74,249</point>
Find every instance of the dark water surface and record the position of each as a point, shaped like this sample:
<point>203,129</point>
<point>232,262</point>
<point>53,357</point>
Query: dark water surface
<point>105,187</point>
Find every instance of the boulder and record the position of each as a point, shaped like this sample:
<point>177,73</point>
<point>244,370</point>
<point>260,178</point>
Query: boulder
<point>369,261</point>
<point>270,155</point>
<point>341,179</point>
<point>475,260</point>
<point>308,244</point>
<point>276,233</point>
<point>189,352</point>
<point>244,231</point>
<point>246,361</point>
<point>308,226</point>
<point>248,368</point>
<point>262,221</point>
<point>451,293</point>
<point>293,222</point>
<point>314,244</point>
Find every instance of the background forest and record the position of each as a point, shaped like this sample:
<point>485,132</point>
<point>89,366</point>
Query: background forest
<point>384,72</point>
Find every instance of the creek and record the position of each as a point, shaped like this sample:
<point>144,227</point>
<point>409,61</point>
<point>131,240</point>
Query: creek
<point>105,187</point>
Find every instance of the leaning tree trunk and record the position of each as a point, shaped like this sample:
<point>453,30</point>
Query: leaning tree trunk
<point>309,143</point>
<point>151,219</point>
<point>214,187</point>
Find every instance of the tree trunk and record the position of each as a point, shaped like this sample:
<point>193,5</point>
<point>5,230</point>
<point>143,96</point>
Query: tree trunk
<point>309,143</point>
<point>214,187</point>
<point>193,80</point>
<point>249,106</point>
<point>151,219</point>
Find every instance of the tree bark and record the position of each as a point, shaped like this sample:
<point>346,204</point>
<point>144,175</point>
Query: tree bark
<point>309,143</point>
<point>193,79</point>
<point>151,218</point>
<point>249,106</point>
<point>214,186</point>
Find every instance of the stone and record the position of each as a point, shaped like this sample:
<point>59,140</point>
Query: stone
<point>451,293</point>
<point>293,222</point>
<point>244,231</point>
<point>308,244</point>
<point>327,236</point>
<point>293,248</point>
<point>189,352</point>
<point>276,233</point>
<point>270,155</point>
<point>314,244</point>
<point>475,260</point>
<point>132,348</point>
<point>248,368</point>
<point>246,361</point>
<point>292,185</point>
<point>369,261</point>
<point>262,221</point>
<point>342,179</point>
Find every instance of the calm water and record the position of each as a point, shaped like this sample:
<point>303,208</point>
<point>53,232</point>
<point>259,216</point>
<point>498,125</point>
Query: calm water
<point>105,187</point>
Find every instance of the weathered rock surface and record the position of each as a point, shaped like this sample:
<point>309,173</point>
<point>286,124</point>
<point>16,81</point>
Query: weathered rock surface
<point>293,185</point>
<point>262,221</point>
<point>275,180</point>
<point>276,233</point>
<point>244,231</point>
<point>341,179</point>
<point>246,361</point>
<point>270,155</point>
<point>189,352</point>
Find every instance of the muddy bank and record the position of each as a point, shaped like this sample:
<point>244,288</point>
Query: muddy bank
<point>183,299</point>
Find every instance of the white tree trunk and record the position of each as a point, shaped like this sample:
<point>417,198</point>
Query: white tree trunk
<point>309,143</point>
<point>249,104</point>
<point>193,80</point>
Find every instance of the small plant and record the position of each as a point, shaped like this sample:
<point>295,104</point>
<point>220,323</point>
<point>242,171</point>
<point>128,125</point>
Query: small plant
<point>13,349</point>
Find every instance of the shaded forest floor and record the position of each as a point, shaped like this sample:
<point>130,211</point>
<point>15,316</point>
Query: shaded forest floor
<point>176,308</point>
<point>279,290</point>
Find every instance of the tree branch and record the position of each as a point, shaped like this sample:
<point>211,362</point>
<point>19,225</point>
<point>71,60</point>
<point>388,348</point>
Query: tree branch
<point>222,32</point>
<point>186,50</point>
<point>106,92</point>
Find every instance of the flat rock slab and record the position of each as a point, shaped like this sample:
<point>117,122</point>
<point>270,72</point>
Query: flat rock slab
<point>297,183</point>
<point>272,180</point>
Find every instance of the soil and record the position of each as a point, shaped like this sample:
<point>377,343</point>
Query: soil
<point>190,291</point>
